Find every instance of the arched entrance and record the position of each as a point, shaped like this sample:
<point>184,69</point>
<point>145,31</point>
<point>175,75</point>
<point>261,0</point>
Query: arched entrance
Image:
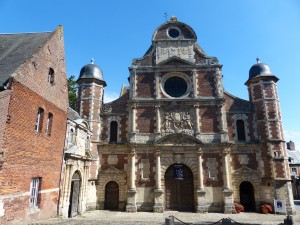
<point>247,198</point>
<point>179,188</point>
<point>111,196</point>
<point>74,195</point>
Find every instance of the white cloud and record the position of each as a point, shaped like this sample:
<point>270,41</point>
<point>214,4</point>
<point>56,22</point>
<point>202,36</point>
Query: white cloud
<point>292,135</point>
<point>110,96</point>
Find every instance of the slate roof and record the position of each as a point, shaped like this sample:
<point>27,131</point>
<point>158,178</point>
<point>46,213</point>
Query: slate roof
<point>295,155</point>
<point>15,49</point>
<point>73,115</point>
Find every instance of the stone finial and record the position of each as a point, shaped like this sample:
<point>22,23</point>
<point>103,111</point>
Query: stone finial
<point>257,59</point>
<point>173,18</point>
<point>92,60</point>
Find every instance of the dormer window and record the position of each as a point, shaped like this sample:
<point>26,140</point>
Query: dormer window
<point>51,76</point>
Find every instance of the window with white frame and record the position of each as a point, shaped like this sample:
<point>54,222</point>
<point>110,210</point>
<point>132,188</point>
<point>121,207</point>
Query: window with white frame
<point>71,136</point>
<point>145,168</point>
<point>34,192</point>
<point>294,170</point>
<point>49,124</point>
<point>87,142</point>
<point>39,120</point>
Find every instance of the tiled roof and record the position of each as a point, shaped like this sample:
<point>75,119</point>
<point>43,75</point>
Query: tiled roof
<point>15,49</point>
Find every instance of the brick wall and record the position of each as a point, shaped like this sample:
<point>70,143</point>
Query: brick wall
<point>205,83</point>
<point>145,85</point>
<point>145,119</point>
<point>28,154</point>
<point>209,121</point>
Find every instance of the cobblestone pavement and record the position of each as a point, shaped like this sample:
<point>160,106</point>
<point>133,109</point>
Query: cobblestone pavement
<point>102,217</point>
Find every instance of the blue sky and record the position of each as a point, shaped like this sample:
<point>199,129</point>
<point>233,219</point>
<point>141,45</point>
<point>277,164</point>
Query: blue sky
<point>114,32</point>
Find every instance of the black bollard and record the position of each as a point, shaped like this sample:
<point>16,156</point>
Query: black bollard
<point>226,221</point>
<point>289,220</point>
<point>169,221</point>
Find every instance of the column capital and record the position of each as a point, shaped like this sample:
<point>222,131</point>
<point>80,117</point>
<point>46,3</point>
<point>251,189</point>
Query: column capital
<point>196,105</point>
<point>157,153</point>
<point>133,106</point>
<point>157,106</point>
<point>226,151</point>
<point>199,152</point>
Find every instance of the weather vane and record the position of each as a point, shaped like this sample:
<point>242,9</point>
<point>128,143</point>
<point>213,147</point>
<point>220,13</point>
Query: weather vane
<point>166,16</point>
<point>257,59</point>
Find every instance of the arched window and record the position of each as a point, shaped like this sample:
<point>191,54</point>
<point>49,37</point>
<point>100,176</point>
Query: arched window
<point>71,136</point>
<point>51,76</point>
<point>113,132</point>
<point>39,120</point>
<point>240,127</point>
<point>87,142</point>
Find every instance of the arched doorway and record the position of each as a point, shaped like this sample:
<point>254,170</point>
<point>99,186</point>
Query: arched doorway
<point>179,188</point>
<point>74,195</point>
<point>111,196</point>
<point>247,198</point>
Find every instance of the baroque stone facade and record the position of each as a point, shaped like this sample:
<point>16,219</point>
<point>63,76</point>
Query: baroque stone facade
<point>176,140</point>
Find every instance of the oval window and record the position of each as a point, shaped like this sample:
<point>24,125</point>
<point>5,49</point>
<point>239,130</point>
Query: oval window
<point>173,33</point>
<point>175,86</point>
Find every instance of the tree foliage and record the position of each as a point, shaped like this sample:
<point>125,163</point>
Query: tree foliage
<point>72,91</point>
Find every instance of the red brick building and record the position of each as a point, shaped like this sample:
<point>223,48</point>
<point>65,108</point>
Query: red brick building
<point>176,140</point>
<point>33,113</point>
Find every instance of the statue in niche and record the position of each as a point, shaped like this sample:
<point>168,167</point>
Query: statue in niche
<point>177,122</point>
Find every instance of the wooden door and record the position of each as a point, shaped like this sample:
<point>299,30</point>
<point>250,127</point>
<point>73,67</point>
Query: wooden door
<point>179,193</point>
<point>111,196</point>
<point>74,195</point>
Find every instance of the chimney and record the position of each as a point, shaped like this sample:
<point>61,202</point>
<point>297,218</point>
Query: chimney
<point>290,145</point>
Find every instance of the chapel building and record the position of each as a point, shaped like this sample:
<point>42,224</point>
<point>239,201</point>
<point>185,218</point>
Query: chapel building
<point>176,140</point>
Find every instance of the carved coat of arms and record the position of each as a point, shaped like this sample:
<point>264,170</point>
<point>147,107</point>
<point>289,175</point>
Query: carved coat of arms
<point>177,122</point>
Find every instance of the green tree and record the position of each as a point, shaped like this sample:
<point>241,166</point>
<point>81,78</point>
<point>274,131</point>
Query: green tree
<point>72,91</point>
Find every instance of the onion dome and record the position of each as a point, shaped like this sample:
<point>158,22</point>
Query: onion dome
<point>260,70</point>
<point>91,71</point>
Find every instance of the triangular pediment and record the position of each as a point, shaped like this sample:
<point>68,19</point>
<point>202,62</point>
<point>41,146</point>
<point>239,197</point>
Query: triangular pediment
<point>178,139</point>
<point>175,61</point>
<point>245,171</point>
<point>112,171</point>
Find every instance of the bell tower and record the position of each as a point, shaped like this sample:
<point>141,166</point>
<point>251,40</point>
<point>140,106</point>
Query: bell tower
<point>90,99</point>
<point>262,88</point>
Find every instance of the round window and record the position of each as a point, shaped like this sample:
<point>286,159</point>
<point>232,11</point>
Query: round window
<point>173,33</point>
<point>175,86</point>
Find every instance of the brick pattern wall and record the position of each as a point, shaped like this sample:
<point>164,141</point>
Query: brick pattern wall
<point>28,154</point>
<point>145,85</point>
<point>209,119</point>
<point>205,83</point>
<point>145,120</point>
<point>34,73</point>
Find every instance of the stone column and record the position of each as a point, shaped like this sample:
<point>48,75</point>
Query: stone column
<point>131,194</point>
<point>195,84</point>
<point>223,122</point>
<point>158,193</point>
<point>197,124</point>
<point>201,200</point>
<point>227,192</point>
<point>158,121</point>
<point>157,90</point>
<point>66,190</point>
<point>133,124</point>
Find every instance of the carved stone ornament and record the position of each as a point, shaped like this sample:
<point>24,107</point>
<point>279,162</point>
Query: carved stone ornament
<point>106,108</point>
<point>177,122</point>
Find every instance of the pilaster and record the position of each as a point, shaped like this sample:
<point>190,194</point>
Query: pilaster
<point>131,194</point>
<point>158,192</point>
<point>201,193</point>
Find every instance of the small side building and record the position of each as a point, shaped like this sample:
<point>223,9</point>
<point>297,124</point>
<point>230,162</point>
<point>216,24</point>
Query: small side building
<point>33,114</point>
<point>294,162</point>
<point>76,166</point>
